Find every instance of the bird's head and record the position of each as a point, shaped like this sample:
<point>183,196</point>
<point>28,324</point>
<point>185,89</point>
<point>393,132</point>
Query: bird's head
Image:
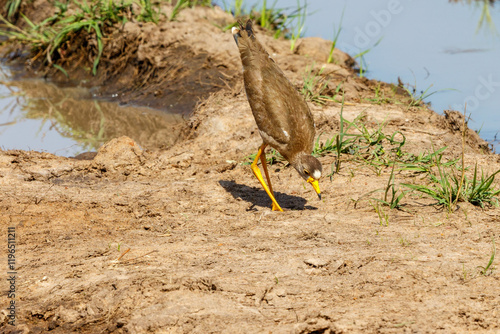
<point>310,169</point>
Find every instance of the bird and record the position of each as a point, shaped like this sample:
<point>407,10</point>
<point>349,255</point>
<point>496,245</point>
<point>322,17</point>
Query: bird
<point>282,115</point>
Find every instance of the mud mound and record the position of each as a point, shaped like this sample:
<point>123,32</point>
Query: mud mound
<point>454,122</point>
<point>119,154</point>
<point>319,49</point>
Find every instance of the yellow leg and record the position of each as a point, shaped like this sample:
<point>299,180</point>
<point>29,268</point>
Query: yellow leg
<point>263,160</point>
<point>258,175</point>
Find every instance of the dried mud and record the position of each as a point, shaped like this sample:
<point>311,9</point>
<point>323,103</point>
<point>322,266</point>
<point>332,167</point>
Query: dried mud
<point>183,240</point>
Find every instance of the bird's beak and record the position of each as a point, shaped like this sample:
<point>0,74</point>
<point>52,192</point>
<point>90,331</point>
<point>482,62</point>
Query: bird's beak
<point>315,185</point>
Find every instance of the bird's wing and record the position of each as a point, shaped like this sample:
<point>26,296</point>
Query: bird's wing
<point>282,115</point>
<point>287,118</point>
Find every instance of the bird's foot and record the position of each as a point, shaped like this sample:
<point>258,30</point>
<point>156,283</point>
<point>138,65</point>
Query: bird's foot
<point>276,207</point>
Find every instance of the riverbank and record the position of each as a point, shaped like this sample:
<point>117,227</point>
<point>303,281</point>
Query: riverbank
<point>182,239</point>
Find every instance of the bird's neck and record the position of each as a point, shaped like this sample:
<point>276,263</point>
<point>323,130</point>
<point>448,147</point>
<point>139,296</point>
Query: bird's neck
<point>295,159</point>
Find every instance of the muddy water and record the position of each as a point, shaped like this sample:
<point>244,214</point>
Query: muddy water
<point>38,115</point>
<point>434,46</point>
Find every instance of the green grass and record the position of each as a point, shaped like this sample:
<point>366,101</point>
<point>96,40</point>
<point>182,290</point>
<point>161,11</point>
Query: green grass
<point>382,215</point>
<point>280,22</point>
<point>447,186</point>
<point>380,97</point>
<point>424,161</point>
<point>447,181</point>
<point>335,144</point>
<point>182,4</point>
<point>404,242</point>
<point>392,194</point>
<point>336,33</point>
<point>12,7</point>
<point>50,39</point>
<point>371,147</point>
<point>272,157</point>
<point>468,274</point>
<point>49,36</point>
<point>488,269</point>
<point>236,9</point>
<point>442,187</point>
<point>339,139</point>
<point>480,191</point>
<point>298,25</point>
<point>148,12</point>
<point>316,88</point>
<point>269,18</point>
<point>179,5</point>
<point>418,98</point>
<point>361,58</point>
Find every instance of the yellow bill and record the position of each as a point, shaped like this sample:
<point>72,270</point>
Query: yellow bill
<point>315,185</point>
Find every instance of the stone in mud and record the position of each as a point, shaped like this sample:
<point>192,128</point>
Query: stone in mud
<point>119,153</point>
<point>317,263</point>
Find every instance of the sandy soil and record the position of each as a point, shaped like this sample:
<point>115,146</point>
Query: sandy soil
<point>183,240</point>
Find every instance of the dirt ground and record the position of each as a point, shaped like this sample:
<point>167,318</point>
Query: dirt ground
<point>183,240</point>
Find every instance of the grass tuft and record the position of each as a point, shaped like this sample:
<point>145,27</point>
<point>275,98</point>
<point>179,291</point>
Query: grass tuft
<point>488,269</point>
<point>361,56</point>
<point>53,38</point>
<point>336,35</point>
<point>12,7</point>
<point>272,157</point>
<point>298,24</point>
<point>316,88</point>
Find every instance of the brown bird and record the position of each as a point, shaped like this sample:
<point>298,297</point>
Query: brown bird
<point>281,113</point>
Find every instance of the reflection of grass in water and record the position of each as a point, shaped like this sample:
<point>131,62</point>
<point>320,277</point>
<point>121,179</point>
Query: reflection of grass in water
<point>90,123</point>
<point>485,19</point>
<point>10,107</point>
<point>87,138</point>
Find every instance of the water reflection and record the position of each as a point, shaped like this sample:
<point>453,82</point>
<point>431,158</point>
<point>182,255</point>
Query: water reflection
<point>485,19</point>
<point>38,115</point>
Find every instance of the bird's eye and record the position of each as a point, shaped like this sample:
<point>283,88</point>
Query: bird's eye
<point>306,172</point>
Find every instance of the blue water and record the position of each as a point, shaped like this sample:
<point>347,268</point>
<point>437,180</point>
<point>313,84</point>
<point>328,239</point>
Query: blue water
<point>432,45</point>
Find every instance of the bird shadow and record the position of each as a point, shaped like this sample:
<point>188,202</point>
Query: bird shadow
<point>258,197</point>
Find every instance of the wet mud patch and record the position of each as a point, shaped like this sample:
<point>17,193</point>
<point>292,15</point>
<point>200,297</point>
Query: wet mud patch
<point>177,85</point>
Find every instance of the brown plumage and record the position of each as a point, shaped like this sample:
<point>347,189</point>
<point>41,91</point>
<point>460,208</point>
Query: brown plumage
<point>281,113</point>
